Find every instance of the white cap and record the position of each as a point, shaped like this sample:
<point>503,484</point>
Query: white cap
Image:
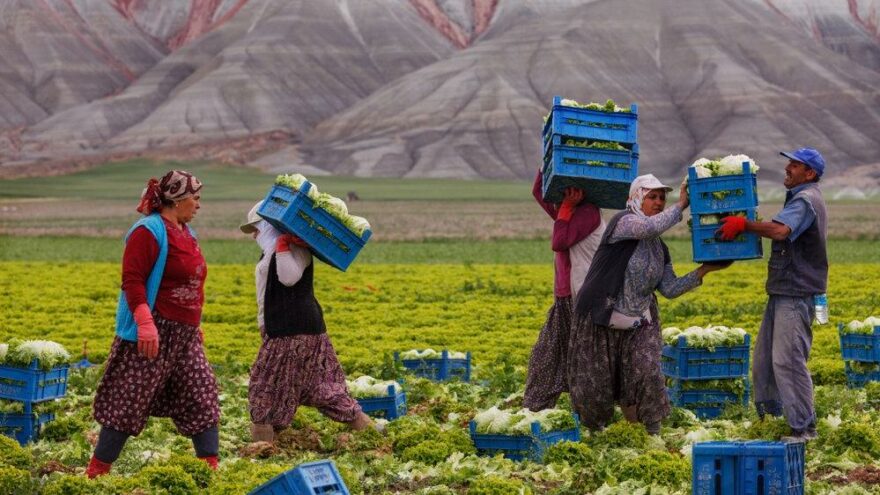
<point>647,181</point>
<point>252,220</point>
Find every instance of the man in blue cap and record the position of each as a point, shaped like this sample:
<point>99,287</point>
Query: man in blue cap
<point>796,272</point>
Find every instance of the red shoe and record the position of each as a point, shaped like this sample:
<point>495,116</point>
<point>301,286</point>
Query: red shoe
<point>211,460</point>
<point>97,468</point>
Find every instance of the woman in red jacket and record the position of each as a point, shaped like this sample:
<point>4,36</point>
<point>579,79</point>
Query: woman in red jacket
<point>577,230</point>
<point>157,365</point>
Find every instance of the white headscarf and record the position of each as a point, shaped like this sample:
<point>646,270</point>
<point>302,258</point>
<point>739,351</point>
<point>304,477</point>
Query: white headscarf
<point>639,188</point>
<point>267,236</point>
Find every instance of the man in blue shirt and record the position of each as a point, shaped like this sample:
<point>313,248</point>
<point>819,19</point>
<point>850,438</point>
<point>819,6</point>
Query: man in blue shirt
<point>797,271</point>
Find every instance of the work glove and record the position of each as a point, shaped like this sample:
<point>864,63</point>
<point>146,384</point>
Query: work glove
<point>285,240</point>
<point>573,197</point>
<point>147,334</point>
<point>731,227</point>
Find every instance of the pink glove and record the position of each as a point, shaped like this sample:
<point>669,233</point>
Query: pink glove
<point>148,335</point>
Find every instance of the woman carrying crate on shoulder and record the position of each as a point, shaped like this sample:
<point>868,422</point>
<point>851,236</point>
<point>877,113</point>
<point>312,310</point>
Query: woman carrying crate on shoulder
<point>157,364</point>
<point>615,343</point>
<point>296,364</point>
<point>577,230</point>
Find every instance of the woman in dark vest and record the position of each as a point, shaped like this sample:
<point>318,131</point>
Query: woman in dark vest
<point>614,351</point>
<point>296,364</point>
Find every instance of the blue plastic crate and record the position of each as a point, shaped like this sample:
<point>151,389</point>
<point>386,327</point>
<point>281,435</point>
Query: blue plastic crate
<point>857,379</point>
<point>692,363</point>
<point>389,407</point>
<point>294,212</point>
<point>740,192</point>
<point>520,447</point>
<point>860,347</point>
<point>581,123</point>
<point>606,185</point>
<point>33,384</point>
<point>707,245</point>
<point>24,428</point>
<point>748,468</point>
<point>440,369</point>
<point>705,403</point>
<point>311,478</point>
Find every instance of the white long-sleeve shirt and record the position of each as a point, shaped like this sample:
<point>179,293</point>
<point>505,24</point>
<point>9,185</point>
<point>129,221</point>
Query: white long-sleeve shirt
<point>289,266</point>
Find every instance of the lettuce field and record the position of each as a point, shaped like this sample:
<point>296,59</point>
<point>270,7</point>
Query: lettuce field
<point>493,311</point>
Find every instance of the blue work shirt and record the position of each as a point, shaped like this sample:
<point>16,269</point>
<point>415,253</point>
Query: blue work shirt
<point>797,215</point>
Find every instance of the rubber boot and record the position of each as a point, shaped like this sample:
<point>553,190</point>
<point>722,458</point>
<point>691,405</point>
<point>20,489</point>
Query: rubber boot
<point>262,433</point>
<point>211,461</point>
<point>97,468</point>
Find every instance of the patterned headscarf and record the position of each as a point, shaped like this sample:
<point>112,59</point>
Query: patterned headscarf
<point>176,185</point>
<point>639,189</point>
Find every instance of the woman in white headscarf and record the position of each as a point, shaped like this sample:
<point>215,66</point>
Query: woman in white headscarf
<point>615,346</point>
<point>296,364</point>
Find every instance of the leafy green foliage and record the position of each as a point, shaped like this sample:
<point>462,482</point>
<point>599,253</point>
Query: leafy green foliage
<point>621,434</point>
<point>14,481</point>
<point>496,485</point>
<point>11,454</point>
<point>572,453</point>
<point>660,467</point>
<point>769,428</point>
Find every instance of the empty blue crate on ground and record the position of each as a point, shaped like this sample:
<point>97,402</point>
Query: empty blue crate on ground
<point>439,369</point>
<point>33,384</point>
<point>392,406</point>
<point>723,194</point>
<point>311,478</point>
<point>697,363</point>
<point>706,402</point>
<point>521,447</point>
<point>605,175</point>
<point>748,468</point>
<point>620,127</point>
<point>294,212</point>
<point>24,428</point>
<point>708,246</point>
<point>860,346</point>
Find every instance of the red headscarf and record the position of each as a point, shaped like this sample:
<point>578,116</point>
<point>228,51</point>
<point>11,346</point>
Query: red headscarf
<point>174,186</point>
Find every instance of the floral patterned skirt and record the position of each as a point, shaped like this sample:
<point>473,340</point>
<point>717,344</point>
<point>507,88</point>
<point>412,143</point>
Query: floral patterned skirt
<point>608,366</point>
<point>298,370</point>
<point>548,364</point>
<point>179,383</point>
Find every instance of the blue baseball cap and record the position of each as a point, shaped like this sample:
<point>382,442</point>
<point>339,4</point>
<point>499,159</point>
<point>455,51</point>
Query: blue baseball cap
<point>809,157</point>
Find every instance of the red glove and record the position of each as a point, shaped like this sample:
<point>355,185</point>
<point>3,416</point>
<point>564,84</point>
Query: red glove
<point>731,227</point>
<point>283,243</point>
<point>573,197</point>
<point>147,334</point>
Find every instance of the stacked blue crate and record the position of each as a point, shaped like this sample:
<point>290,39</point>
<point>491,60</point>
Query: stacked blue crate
<point>605,175</point>
<point>29,386</point>
<point>521,447</point>
<point>683,365</point>
<point>294,212</point>
<point>747,468</point>
<point>311,478</point>
<point>439,369</point>
<point>391,406</point>
<point>716,197</point>
<point>860,353</point>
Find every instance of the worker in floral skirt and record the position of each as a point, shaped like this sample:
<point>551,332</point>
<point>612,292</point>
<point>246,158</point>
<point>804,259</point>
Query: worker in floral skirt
<point>577,230</point>
<point>157,365</point>
<point>296,364</point>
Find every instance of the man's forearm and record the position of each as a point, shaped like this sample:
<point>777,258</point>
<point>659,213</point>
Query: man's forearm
<point>771,230</point>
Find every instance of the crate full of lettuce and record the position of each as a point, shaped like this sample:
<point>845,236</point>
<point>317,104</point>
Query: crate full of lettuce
<point>860,349</point>
<point>522,434</point>
<point>33,370</point>
<point>716,189</point>
<point>437,366</point>
<point>383,398</point>
<point>592,147</point>
<point>294,205</point>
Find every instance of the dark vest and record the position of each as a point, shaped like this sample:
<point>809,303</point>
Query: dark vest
<point>291,310</point>
<point>800,268</point>
<point>604,282</point>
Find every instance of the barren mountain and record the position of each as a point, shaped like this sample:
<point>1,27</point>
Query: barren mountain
<point>431,88</point>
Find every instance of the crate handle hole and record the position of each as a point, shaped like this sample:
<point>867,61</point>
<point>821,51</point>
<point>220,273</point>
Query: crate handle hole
<point>761,482</point>
<point>717,483</point>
